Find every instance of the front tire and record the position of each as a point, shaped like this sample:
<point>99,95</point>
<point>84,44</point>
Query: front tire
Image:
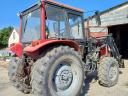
<point>108,71</point>
<point>59,73</point>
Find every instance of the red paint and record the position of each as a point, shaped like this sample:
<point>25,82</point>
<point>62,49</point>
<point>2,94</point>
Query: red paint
<point>42,43</point>
<point>98,34</point>
<point>20,33</point>
<point>102,51</point>
<point>105,52</point>
<point>33,48</point>
<point>17,49</point>
<point>43,33</point>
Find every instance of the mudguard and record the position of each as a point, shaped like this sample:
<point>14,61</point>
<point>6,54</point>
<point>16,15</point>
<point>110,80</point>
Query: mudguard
<point>35,45</point>
<point>17,49</point>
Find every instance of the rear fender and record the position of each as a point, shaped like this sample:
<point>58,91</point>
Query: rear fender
<point>17,49</point>
<point>34,48</point>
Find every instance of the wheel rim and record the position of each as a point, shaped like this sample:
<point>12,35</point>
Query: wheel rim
<point>113,72</point>
<point>67,76</point>
<point>63,77</point>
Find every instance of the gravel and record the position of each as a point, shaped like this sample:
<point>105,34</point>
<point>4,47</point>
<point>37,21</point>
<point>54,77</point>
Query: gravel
<point>92,88</point>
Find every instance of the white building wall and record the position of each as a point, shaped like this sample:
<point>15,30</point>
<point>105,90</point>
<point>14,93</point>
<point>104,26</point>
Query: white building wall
<point>14,38</point>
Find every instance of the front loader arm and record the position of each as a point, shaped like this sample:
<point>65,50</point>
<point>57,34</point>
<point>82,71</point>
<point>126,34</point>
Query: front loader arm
<point>109,40</point>
<point>107,44</point>
<point>113,49</point>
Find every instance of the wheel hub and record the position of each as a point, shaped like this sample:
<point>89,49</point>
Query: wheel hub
<point>63,78</point>
<point>112,72</point>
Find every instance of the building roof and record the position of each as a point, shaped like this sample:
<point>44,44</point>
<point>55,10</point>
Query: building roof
<point>110,9</point>
<point>16,29</point>
<point>115,7</point>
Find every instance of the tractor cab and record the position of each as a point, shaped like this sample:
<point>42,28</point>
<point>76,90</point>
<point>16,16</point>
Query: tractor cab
<point>51,20</point>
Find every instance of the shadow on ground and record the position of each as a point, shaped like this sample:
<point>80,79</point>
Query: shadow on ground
<point>91,78</point>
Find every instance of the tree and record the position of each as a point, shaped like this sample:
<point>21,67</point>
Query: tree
<point>4,36</point>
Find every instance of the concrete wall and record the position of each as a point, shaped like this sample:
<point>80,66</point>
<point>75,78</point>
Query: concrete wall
<point>114,17</point>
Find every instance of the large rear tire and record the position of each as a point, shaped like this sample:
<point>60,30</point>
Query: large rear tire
<point>108,71</point>
<point>15,72</point>
<point>59,73</point>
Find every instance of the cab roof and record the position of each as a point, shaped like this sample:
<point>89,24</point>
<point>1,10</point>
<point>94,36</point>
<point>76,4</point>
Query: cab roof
<point>54,3</point>
<point>63,5</point>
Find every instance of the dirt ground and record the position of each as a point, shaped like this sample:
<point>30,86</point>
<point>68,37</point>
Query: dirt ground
<point>92,88</point>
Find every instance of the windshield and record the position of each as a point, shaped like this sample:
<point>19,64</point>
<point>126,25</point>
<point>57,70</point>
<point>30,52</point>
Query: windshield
<point>56,22</point>
<point>75,23</point>
<point>62,24</point>
<point>31,26</point>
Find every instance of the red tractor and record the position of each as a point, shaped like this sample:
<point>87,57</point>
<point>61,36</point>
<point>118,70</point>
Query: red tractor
<point>54,54</point>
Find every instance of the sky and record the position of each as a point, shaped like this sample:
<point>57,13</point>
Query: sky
<point>10,8</point>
